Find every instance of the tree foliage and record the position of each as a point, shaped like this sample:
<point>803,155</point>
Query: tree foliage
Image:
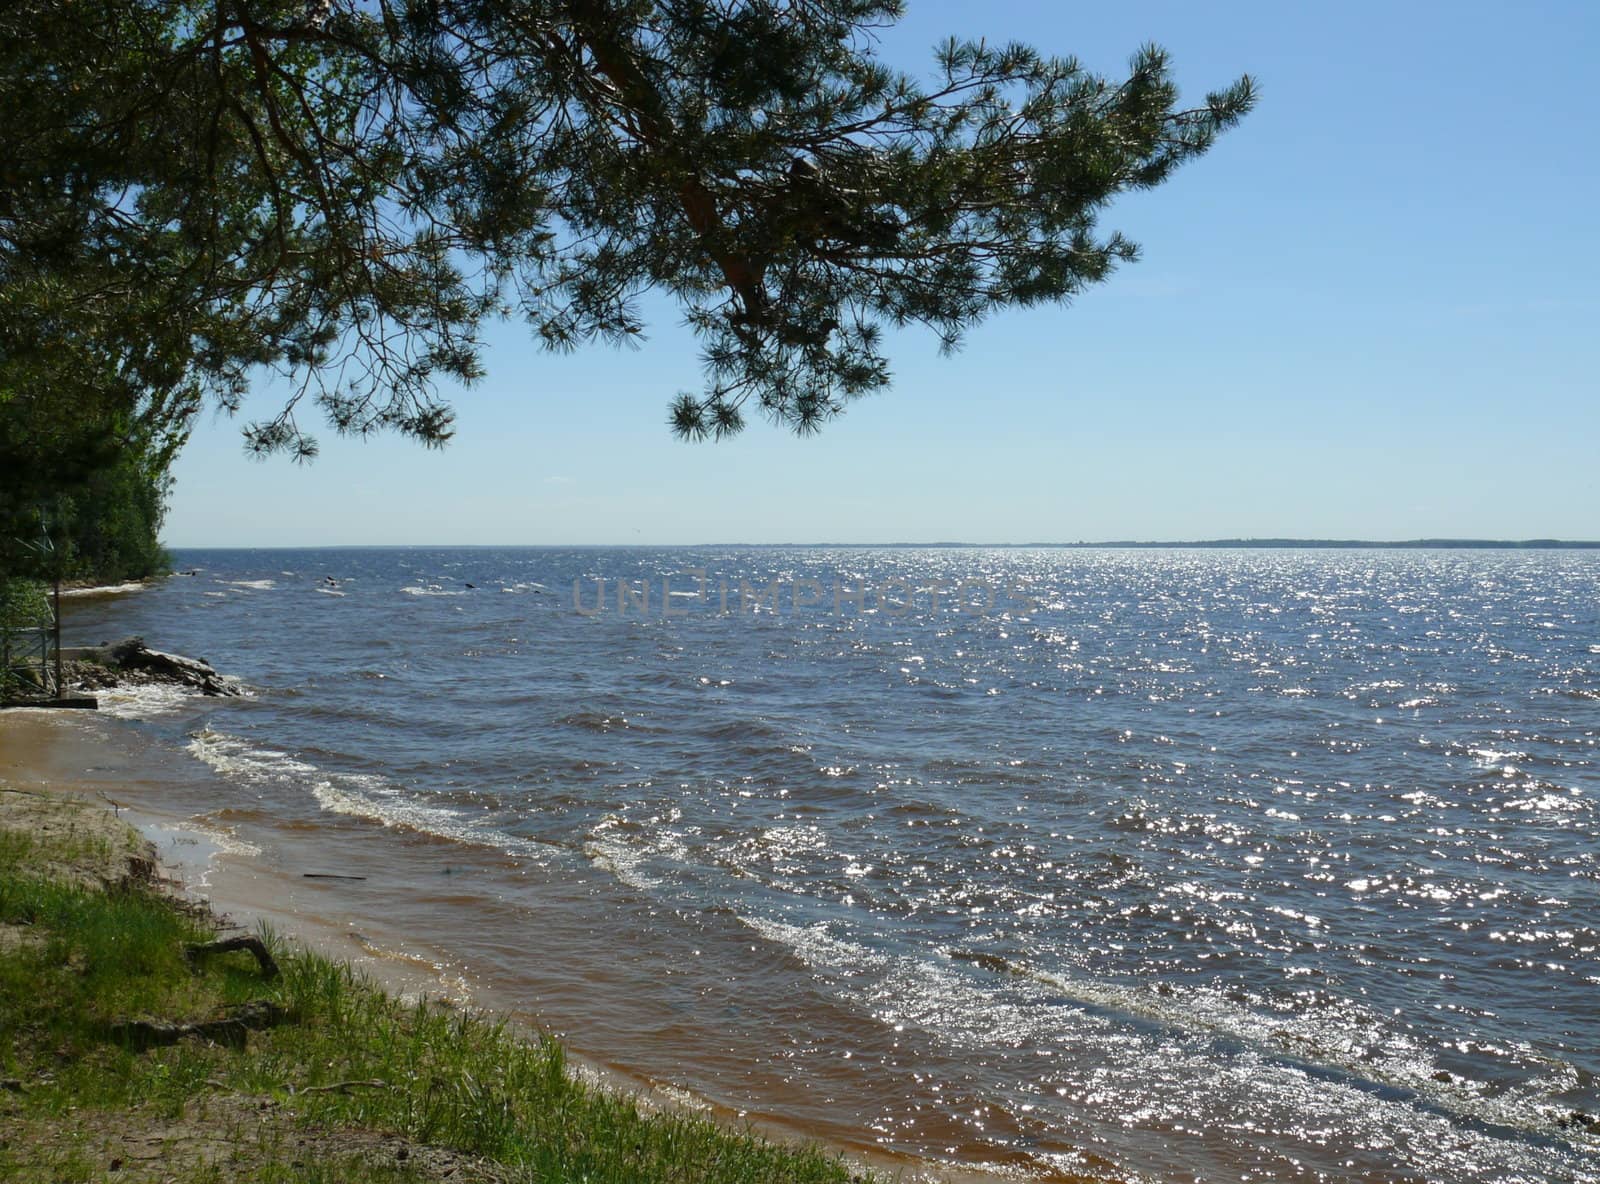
<point>84,458</point>
<point>346,190</point>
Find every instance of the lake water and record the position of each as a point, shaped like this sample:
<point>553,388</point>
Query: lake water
<point>1173,865</point>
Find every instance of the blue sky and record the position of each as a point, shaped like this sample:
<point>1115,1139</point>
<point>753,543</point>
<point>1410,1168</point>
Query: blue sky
<point>1367,312</point>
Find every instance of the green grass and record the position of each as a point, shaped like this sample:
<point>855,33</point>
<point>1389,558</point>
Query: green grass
<point>449,1079</point>
<point>22,851</point>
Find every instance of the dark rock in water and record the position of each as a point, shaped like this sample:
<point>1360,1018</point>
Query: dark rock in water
<point>133,654</point>
<point>132,661</point>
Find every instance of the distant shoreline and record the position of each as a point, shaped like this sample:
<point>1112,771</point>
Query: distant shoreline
<point>1266,544</point>
<point>1353,544</point>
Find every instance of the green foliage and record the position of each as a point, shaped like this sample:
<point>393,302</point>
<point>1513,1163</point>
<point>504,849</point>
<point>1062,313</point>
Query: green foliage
<point>23,605</point>
<point>123,954</point>
<point>111,529</point>
<point>344,192</point>
<point>23,608</point>
<point>86,479</point>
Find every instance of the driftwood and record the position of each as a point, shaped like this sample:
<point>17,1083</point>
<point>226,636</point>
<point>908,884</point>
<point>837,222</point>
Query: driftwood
<point>269,968</point>
<point>232,1030</point>
<point>339,1087</point>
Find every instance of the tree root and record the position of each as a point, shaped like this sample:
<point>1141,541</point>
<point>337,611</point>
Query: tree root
<point>269,968</point>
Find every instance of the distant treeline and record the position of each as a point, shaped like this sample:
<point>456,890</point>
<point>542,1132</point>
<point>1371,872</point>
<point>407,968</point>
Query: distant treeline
<point>1370,544</point>
<point>1226,544</point>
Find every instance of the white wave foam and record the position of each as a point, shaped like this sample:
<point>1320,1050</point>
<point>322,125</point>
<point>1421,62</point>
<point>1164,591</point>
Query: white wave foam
<point>239,758</point>
<point>432,590</point>
<point>1025,1009</point>
<point>619,847</point>
<point>192,847</point>
<point>146,702</point>
<point>104,589</point>
<point>356,795</point>
<point>226,840</point>
<point>1491,758</point>
<point>253,585</point>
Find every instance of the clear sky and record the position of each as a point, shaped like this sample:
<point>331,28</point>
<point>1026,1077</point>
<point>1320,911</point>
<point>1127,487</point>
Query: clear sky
<point>1369,311</point>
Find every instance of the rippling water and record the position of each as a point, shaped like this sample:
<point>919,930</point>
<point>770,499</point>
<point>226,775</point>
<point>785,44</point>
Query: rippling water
<point>1174,865</point>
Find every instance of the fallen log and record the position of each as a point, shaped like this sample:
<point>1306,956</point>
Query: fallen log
<point>232,1030</point>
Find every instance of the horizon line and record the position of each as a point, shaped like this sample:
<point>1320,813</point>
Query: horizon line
<point>1242,543</point>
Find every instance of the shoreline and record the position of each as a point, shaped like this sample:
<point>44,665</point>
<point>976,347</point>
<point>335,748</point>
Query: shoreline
<point>117,1000</point>
<point>52,753</point>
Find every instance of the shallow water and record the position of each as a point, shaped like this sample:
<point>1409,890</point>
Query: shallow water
<point>1169,864</point>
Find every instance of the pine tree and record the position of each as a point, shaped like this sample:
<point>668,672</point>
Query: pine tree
<point>346,191</point>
